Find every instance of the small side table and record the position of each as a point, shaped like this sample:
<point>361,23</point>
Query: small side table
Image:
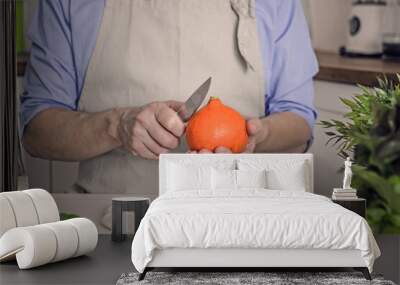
<point>357,205</point>
<point>139,205</point>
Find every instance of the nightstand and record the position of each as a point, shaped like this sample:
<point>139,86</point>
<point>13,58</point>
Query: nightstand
<point>139,205</point>
<point>357,206</point>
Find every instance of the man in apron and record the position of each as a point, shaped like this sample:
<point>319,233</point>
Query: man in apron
<point>106,78</point>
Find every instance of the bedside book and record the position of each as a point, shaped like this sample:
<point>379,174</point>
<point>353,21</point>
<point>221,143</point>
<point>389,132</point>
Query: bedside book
<point>345,198</point>
<point>344,194</point>
<point>340,190</point>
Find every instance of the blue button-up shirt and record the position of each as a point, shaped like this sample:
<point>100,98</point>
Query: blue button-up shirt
<point>64,32</point>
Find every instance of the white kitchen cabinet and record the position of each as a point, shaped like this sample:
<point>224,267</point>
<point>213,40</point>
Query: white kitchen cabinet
<point>54,176</point>
<point>64,175</point>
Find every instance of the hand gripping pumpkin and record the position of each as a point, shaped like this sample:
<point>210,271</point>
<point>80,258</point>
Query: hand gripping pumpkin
<point>216,125</point>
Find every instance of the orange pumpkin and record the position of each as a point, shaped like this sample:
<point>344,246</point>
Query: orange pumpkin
<point>216,125</point>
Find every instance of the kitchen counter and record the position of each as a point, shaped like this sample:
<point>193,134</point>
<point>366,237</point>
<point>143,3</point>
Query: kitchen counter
<point>336,68</point>
<point>333,67</point>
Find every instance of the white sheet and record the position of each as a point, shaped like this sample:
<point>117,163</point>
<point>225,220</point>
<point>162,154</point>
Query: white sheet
<point>251,218</point>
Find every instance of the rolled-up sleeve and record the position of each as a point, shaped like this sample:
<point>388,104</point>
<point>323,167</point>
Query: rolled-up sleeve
<point>291,64</point>
<point>50,78</point>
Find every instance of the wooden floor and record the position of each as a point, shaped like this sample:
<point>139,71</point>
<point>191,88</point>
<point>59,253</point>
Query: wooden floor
<point>103,266</point>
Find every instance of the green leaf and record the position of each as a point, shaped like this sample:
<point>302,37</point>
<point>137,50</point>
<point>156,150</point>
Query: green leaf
<point>349,103</point>
<point>382,82</point>
<point>330,133</point>
<point>343,154</point>
<point>326,124</point>
<point>67,216</point>
<point>395,219</point>
<point>390,150</point>
<point>380,185</point>
<point>395,182</point>
<point>376,214</point>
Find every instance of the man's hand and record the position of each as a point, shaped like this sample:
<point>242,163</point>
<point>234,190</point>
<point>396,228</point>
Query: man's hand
<point>257,133</point>
<point>279,132</point>
<point>151,130</point>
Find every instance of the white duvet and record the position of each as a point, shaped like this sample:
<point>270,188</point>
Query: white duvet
<point>251,218</point>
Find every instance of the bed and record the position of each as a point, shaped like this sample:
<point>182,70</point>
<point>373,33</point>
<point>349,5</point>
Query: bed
<point>247,211</point>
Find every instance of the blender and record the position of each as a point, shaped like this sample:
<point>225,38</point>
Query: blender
<point>391,32</point>
<point>365,24</point>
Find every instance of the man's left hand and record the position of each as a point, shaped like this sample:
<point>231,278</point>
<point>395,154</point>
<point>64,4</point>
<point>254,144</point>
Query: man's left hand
<point>257,132</point>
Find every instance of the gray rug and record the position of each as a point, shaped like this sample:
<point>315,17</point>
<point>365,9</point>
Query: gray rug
<point>244,278</point>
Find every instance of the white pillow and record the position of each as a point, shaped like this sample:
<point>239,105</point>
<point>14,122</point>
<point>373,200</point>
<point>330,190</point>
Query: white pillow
<point>236,179</point>
<point>281,174</point>
<point>251,178</point>
<point>223,179</point>
<point>183,177</point>
<point>293,178</point>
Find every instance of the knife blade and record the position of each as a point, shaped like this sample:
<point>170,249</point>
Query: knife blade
<point>187,110</point>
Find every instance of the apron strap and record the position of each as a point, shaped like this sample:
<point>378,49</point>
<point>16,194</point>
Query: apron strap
<point>245,11</point>
<point>245,8</point>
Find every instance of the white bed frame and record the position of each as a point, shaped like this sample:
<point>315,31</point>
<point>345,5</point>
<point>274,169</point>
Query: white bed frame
<point>250,258</point>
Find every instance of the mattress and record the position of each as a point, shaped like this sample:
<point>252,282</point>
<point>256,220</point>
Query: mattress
<point>250,218</point>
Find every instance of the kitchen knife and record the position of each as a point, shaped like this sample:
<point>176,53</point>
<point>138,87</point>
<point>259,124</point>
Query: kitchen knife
<point>193,103</point>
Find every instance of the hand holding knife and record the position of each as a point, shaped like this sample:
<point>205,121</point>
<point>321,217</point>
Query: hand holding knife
<point>147,131</point>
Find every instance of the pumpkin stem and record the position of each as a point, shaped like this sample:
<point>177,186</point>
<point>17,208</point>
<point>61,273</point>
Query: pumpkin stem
<point>214,101</point>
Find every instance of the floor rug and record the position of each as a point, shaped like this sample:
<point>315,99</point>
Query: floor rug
<point>244,278</point>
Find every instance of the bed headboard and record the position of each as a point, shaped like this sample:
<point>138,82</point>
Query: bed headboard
<point>197,159</point>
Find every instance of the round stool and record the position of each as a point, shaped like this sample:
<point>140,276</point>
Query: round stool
<point>138,205</point>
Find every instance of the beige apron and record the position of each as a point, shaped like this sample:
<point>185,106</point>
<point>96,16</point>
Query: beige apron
<point>158,50</point>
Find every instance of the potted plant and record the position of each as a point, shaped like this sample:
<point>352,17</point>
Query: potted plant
<point>371,132</point>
